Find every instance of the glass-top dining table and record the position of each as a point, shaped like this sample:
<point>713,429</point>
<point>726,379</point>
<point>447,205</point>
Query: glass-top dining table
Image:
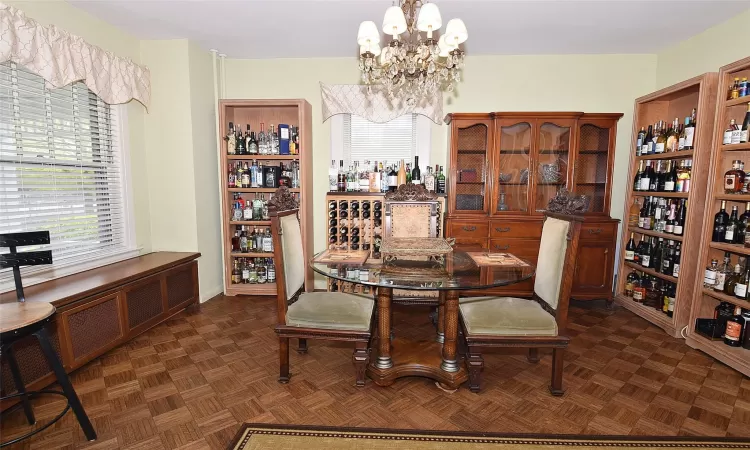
<point>454,272</point>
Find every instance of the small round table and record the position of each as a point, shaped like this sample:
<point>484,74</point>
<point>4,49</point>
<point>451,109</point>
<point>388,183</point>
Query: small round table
<point>458,271</point>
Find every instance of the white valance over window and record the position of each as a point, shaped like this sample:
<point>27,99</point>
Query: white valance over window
<point>375,107</point>
<point>61,59</point>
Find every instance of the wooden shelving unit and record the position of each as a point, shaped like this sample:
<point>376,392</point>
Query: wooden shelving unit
<point>666,104</point>
<point>297,112</point>
<point>705,300</point>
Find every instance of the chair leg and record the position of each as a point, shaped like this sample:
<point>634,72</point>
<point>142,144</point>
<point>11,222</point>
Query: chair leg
<point>476,363</point>
<point>20,386</point>
<point>555,387</point>
<point>302,349</point>
<point>533,356</point>
<point>283,360</point>
<point>64,382</point>
<point>360,358</point>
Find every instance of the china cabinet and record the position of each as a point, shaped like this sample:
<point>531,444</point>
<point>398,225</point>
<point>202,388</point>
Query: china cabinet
<point>504,169</point>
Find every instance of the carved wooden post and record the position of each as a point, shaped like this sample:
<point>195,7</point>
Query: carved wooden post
<point>441,317</point>
<point>450,363</point>
<point>385,295</point>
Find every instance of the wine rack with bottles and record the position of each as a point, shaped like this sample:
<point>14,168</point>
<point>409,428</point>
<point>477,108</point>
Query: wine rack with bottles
<point>264,144</point>
<point>726,236</point>
<point>672,132</point>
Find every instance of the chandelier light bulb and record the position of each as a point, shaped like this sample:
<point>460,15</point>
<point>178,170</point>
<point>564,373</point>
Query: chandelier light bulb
<point>372,48</point>
<point>368,33</point>
<point>455,32</point>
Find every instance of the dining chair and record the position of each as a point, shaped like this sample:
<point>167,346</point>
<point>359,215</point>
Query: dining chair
<point>23,319</point>
<point>538,322</point>
<point>334,316</point>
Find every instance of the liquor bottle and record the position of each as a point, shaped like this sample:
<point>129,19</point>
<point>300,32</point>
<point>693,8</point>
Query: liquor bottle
<point>734,90</point>
<point>262,141</point>
<point>646,177</point>
<point>383,177</point>
<point>673,136</point>
<point>245,177</point>
<point>638,177</point>
<point>408,173</point>
<point>333,177</point>
<point>402,173</point>
<point>676,260</point>
<point>240,142</point>
<point>745,130</point>
<point>646,253</point>
<point>374,178</point>
<point>733,332</point>
<point>231,139</point>
<point>746,330</point>
<point>416,174</point>
<point>243,240</point>
<point>744,89</point>
<point>729,133</point>
<point>724,272</point>
<point>341,178</point>
<point>630,249</point>
<point>639,141</point>
<point>267,241</point>
<point>252,143</point>
<point>690,125</point>
<point>441,181</point>
<point>634,214</point>
<point>247,213</point>
<point>392,179</point>
<point>236,272</point>
<point>731,232</point>
<point>653,294</point>
<point>270,270</point>
<point>721,219</point>
<point>669,179</point>
<point>630,283</point>
<point>731,280</point>
<point>639,288</point>
<point>648,142</point>
<point>733,181</point>
<point>363,175</point>
<point>429,180</point>
<point>262,270</point>
<point>740,289</point>
<point>709,275</point>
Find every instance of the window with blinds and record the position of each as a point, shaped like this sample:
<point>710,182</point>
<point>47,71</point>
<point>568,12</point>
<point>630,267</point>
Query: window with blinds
<point>60,167</point>
<point>388,142</point>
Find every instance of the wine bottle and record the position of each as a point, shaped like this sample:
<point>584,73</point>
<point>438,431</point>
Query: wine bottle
<point>392,179</point>
<point>634,214</point>
<point>721,219</point>
<point>630,249</point>
<point>648,142</point>
<point>441,181</point>
<point>638,176</point>
<point>679,225</point>
<point>660,143</point>
<point>639,141</point>
<point>676,260</point>
<point>730,233</point>
<point>402,173</point>
<point>646,177</point>
<point>745,130</point>
<point>690,130</point>
<point>724,272</point>
<point>416,174</point>
<point>646,254</point>
<point>669,178</point>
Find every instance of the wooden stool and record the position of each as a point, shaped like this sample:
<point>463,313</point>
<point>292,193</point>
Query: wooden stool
<point>21,319</point>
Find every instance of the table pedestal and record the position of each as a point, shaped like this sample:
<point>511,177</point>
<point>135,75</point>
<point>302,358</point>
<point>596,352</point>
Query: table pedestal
<point>404,358</point>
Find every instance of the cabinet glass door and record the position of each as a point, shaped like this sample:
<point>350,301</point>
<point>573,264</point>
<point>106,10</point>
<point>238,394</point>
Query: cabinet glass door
<point>471,168</point>
<point>591,165</point>
<point>512,168</point>
<point>552,162</point>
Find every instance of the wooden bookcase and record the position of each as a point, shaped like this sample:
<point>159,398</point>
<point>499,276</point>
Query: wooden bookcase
<point>666,104</point>
<point>498,188</point>
<point>297,112</point>
<point>705,300</point>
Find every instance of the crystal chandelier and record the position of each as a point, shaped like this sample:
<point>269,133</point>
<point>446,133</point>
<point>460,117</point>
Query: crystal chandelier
<point>415,67</point>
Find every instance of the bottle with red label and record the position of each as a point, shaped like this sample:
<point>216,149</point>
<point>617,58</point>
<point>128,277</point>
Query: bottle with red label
<point>733,333</point>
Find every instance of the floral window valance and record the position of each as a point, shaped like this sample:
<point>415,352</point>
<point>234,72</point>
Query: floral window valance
<point>61,59</point>
<point>375,106</point>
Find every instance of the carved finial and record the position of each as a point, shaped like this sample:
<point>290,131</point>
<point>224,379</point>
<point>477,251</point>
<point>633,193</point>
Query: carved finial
<point>283,200</point>
<point>410,193</point>
<point>567,203</point>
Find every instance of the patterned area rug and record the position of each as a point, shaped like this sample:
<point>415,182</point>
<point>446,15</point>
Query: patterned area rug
<point>291,437</point>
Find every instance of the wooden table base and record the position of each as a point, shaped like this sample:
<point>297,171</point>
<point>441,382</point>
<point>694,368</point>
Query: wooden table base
<point>415,359</point>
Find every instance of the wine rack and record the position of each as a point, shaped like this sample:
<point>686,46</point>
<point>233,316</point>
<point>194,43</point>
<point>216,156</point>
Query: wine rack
<point>674,101</point>
<point>295,112</point>
<point>706,300</point>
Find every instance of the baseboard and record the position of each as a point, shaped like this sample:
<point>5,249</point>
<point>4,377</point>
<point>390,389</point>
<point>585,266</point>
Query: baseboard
<point>213,292</point>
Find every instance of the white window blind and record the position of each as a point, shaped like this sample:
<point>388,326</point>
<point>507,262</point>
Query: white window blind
<point>60,167</point>
<point>389,142</point>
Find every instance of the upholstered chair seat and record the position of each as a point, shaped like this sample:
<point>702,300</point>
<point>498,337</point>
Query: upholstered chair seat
<point>506,316</point>
<point>535,323</point>
<point>331,311</point>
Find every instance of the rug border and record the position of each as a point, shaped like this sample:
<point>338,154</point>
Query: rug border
<point>739,442</point>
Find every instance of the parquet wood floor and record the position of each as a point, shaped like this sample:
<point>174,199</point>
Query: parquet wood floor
<point>190,382</point>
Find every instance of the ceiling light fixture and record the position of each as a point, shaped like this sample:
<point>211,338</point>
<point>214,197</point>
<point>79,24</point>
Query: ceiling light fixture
<point>413,68</point>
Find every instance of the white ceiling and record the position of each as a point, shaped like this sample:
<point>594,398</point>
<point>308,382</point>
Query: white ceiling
<point>327,28</point>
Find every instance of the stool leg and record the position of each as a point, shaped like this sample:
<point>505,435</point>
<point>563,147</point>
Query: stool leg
<point>20,387</point>
<point>64,382</point>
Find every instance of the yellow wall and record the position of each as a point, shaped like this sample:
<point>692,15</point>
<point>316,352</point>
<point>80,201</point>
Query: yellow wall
<point>98,32</point>
<point>705,52</point>
<point>590,83</point>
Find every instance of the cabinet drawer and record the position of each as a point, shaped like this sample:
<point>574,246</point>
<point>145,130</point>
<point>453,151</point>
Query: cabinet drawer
<point>470,245</point>
<point>527,249</point>
<point>598,231</point>
<point>466,229</point>
<point>508,229</point>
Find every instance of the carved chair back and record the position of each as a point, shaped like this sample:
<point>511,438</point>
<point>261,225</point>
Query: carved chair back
<point>558,251</point>
<point>288,258</point>
<point>15,260</point>
<point>412,211</point>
